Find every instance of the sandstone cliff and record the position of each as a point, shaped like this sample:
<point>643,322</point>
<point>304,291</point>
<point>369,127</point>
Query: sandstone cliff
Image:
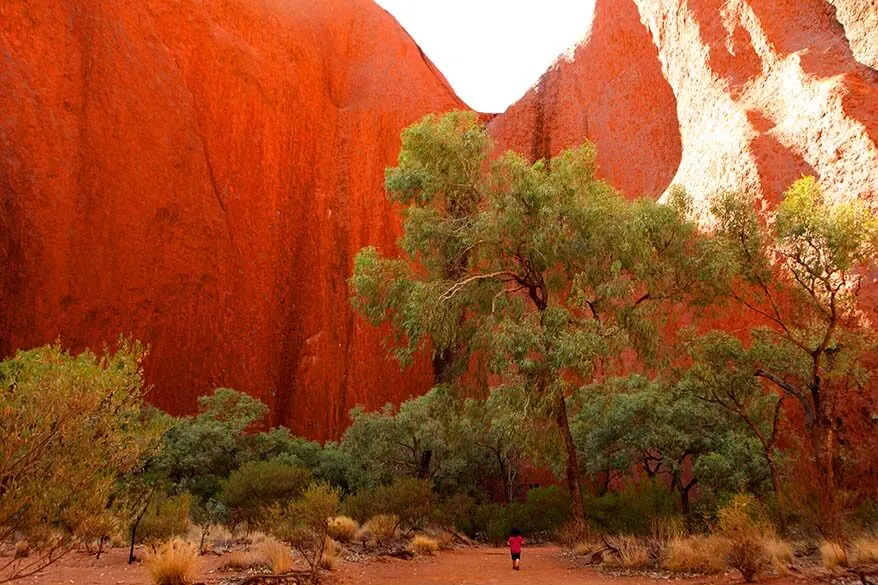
<point>200,175</point>
<point>715,94</point>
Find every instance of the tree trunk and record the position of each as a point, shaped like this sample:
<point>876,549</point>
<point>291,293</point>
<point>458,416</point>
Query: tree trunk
<point>424,464</point>
<point>574,481</point>
<point>775,486</point>
<point>823,440</point>
<point>134,526</point>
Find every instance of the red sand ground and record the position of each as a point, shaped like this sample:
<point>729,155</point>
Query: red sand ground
<point>469,566</point>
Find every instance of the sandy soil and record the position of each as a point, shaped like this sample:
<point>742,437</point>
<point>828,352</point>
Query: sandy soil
<point>469,566</point>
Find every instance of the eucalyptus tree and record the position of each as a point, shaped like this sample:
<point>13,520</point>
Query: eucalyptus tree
<point>541,269</point>
<point>801,269</point>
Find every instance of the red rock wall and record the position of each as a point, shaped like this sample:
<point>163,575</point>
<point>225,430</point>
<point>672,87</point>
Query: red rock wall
<point>610,90</point>
<point>715,94</point>
<point>200,175</point>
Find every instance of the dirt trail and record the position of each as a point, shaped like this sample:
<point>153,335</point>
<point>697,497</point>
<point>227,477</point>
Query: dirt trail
<point>469,566</point>
<point>479,566</point>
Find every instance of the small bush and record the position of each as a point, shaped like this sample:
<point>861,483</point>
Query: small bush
<point>257,485</point>
<point>696,554</point>
<point>343,528</point>
<point>167,518</point>
<point>423,545</point>
<point>383,527</point>
<point>330,554</point>
<point>746,535</point>
<point>632,509</point>
<point>833,555</point>
<point>546,509</point>
<point>864,550</point>
<point>304,524</point>
<point>632,553</point>
<point>172,563</point>
<point>409,499</point>
<point>276,555</point>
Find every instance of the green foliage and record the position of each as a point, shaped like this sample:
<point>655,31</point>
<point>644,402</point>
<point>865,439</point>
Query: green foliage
<point>71,426</point>
<point>201,451</point>
<point>424,439</point>
<point>410,500</point>
<point>801,272</point>
<point>166,518</point>
<point>540,268</point>
<point>257,485</point>
<point>538,518</point>
<point>631,510</point>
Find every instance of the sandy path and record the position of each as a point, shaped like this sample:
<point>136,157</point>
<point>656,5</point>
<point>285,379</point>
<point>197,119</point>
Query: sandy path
<point>469,566</point>
<point>477,565</point>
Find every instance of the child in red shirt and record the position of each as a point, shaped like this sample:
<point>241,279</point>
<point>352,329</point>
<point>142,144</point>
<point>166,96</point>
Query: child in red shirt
<point>515,541</point>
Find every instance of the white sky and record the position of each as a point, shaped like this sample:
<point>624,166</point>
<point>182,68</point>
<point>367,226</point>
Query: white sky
<point>493,51</point>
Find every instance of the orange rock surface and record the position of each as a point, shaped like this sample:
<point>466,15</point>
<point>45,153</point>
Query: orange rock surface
<point>715,94</point>
<point>200,175</point>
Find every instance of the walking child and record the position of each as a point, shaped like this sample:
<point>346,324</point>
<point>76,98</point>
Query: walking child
<point>515,541</point>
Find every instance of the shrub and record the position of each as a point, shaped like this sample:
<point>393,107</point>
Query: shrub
<point>257,485</point>
<point>632,509</point>
<point>342,528</point>
<point>304,524</point>
<point>546,509</point>
<point>745,535</point>
<point>172,563</point>
<point>696,554</point>
<point>330,554</point>
<point>167,518</point>
<point>628,552</point>
<point>276,555</point>
<point>383,527</point>
<point>71,427</point>
<point>423,545</point>
<point>833,555</point>
<point>864,550</point>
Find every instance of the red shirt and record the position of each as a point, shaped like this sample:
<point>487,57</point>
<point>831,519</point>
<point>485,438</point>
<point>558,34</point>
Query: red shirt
<point>515,543</point>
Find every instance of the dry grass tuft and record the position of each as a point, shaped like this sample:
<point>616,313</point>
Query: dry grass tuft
<point>330,554</point>
<point>173,563</point>
<point>275,554</point>
<point>833,555</point>
<point>342,528</point>
<point>383,527</point>
<point>864,550</point>
<point>241,561</point>
<point>696,554</point>
<point>423,545</point>
<point>632,553</point>
<point>778,553</point>
<point>571,533</point>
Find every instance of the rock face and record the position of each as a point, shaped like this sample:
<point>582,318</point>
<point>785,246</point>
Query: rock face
<point>200,175</point>
<point>715,94</point>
